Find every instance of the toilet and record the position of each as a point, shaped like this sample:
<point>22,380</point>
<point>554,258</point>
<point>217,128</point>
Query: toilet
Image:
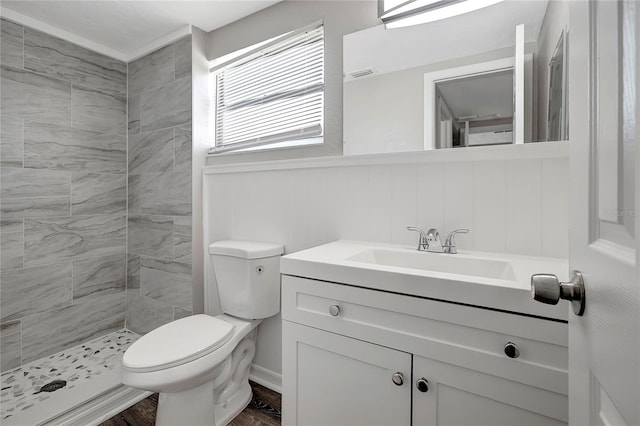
<point>200,364</point>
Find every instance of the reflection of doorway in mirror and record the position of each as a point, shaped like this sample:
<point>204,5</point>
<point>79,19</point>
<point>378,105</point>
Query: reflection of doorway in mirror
<point>475,109</point>
<point>556,115</point>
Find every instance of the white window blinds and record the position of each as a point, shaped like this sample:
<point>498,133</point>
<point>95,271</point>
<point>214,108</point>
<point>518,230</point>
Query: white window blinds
<point>273,95</point>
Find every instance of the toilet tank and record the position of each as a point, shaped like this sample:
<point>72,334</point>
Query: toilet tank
<point>248,277</point>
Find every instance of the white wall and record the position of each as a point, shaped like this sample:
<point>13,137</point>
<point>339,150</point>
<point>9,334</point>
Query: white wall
<point>514,203</point>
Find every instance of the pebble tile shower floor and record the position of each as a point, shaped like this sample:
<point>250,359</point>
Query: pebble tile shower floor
<point>21,387</point>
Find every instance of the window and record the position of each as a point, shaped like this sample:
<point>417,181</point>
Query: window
<point>271,96</point>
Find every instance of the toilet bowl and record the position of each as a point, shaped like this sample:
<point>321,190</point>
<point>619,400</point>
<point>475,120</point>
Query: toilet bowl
<point>200,364</point>
<point>202,377</point>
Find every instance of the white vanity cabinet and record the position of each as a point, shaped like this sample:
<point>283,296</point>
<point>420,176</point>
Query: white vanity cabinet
<point>345,347</point>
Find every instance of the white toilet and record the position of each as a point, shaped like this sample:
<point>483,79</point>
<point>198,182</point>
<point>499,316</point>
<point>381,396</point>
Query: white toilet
<point>200,364</point>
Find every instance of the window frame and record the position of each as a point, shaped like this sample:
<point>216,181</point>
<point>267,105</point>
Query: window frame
<point>310,138</point>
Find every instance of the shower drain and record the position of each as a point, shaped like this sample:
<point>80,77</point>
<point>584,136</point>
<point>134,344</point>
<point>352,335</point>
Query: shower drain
<point>52,386</point>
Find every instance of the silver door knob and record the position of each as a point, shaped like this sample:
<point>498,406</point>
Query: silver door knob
<point>334,310</point>
<point>546,288</point>
<point>422,384</point>
<point>397,379</point>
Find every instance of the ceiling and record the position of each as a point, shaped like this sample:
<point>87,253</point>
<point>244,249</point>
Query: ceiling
<point>127,29</point>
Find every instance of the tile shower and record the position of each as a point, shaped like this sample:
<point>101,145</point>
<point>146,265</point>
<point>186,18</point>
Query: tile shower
<point>95,199</point>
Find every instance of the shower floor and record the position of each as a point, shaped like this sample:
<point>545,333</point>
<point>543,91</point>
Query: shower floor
<point>89,369</point>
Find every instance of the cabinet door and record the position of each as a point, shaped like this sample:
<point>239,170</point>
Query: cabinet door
<point>329,379</point>
<point>460,396</point>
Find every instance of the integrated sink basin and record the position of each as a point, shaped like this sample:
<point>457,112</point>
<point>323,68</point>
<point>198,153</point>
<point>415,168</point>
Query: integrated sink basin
<point>436,262</point>
<point>491,280</point>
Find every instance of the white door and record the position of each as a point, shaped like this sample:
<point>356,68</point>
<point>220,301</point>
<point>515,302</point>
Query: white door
<point>604,343</point>
<point>336,380</point>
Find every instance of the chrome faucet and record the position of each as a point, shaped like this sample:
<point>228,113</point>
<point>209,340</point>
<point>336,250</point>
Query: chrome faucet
<point>430,241</point>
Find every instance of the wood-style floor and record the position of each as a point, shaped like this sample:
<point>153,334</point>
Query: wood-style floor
<point>263,410</point>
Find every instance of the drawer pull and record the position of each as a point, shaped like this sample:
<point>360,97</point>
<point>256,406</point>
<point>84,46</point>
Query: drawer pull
<point>422,385</point>
<point>398,379</point>
<point>334,310</point>
<point>511,350</point>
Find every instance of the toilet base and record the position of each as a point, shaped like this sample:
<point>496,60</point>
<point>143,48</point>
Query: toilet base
<point>189,408</point>
<point>217,401</point>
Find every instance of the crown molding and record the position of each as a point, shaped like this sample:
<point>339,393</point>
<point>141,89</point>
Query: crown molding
<point>96,47</point>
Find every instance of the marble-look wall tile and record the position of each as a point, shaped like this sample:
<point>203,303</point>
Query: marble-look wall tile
<point>166,106</point>
<point>133,271</point>
<point>166,281</point>
<point>24,94</point>
<point>61,59</point>
<point>145,314</point>
<point>182,247</point>
<point>98,193</point>
<point>151,236</point>
<point>11,250</point>
<point>153,70</point>
<point>52,240</point>
<point>11,142</point>
<point>53,331</point>
<point>133,194</point>
<point>34,193</point>
<point>31,207</point>
<point>97,277</point>
<point>10,345</point>
<point>165,193</point>
<point>182,224</point>
<point>133,108</point>
<point>11,43</point>
<point>183,58</point>
<point>98,111</point>
<point>32,290</point>
<point>17,183</point>
<point>182,148</point>
<point>180,313</point>
<point>11,225</point>
<point>151,151</point>
<point>48,146</point>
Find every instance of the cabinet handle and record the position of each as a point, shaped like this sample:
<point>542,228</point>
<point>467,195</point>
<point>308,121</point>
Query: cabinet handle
<point>398,379</point>
<point>334,310</point>
<point>511,350</point>
<point>422,384</point>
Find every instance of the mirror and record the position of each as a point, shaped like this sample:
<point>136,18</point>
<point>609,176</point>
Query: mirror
<point>458,82</point>
<point>557,123</point>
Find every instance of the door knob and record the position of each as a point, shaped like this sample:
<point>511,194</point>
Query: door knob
<point>546,288</point>
<point>422,384</point>
<point>334,310</point>
<point>398,379</point>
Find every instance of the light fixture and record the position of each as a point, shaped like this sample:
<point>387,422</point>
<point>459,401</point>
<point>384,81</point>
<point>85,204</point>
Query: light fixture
<point>414,12</point>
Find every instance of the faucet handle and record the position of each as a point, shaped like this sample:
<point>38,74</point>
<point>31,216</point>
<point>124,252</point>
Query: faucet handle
<point>449,244</point>
<point>422,240</point>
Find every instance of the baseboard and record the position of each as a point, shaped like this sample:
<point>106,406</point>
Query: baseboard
<point>101,408</point>
<point>267,378</point>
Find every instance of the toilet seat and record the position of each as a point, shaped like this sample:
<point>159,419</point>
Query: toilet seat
<point>197,336</point>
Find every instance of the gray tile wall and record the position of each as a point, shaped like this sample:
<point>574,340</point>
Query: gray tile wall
<point>159,187</point>
<point>63,194</point>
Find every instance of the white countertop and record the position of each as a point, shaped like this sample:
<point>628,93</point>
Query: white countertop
<point>329,262</point>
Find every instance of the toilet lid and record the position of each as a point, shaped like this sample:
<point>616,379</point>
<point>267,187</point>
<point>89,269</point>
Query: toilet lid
<point>177,343</point>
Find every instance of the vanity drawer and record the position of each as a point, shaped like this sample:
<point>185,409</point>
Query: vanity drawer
<point>466,336</point>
